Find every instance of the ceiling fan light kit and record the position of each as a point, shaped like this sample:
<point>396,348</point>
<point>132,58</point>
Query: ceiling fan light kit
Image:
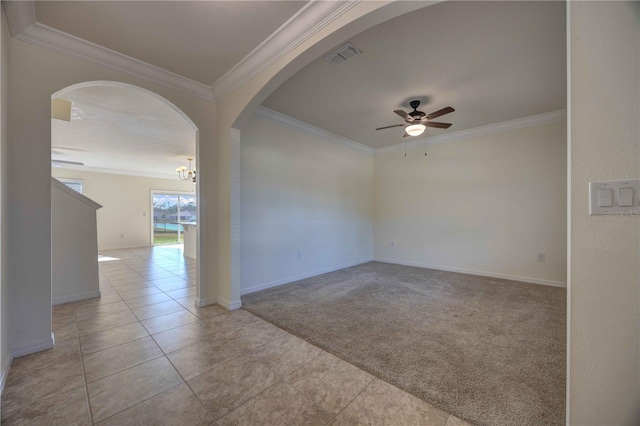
<point>416,122</point>
<point>415,129</point>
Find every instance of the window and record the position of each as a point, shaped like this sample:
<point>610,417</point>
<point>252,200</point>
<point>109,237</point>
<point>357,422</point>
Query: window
<point>75,184</point>
<point>169,211</point>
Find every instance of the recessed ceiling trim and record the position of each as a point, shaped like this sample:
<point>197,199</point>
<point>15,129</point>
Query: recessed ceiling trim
<point>287,121</point>
<point>518,123</point>
<point>312,18</point>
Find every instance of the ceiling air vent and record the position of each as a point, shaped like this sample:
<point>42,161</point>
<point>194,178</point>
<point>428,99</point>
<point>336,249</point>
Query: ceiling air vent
<point>342,55</point>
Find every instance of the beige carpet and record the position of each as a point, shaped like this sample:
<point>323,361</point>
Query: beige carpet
<point>487,350</point>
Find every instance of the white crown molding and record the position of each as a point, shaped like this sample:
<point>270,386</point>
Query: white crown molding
<point>58,41</point>
<point>503,126</point>
<point>21,16</point>
<point>313,17</point>
<point>284,120</point>
<point>108,171</point>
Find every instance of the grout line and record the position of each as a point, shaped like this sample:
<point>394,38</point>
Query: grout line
<point>276,382</point>
<point>354,398</point>
<point>84,374</point>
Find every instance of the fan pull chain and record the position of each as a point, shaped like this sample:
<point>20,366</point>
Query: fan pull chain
<point>405,148</point>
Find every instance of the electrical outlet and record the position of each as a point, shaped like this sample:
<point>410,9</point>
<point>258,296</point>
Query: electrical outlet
<point>541,257</point>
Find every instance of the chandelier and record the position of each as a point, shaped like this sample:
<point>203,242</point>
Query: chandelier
<point>187,173</point>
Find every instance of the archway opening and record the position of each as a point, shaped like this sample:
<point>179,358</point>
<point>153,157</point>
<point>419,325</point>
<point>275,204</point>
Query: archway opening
<point>120,146</point>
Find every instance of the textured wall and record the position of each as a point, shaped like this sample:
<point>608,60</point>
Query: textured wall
<point>306,205</point>
<point>487,204</point>
<point>604,324</point>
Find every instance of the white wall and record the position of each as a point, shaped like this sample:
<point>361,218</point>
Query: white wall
<point>126,202</point>
<point>5,347</point>
<point>74,246</point>
<point>487,205</point>
<point>604,320</point>
<point>301,194</point>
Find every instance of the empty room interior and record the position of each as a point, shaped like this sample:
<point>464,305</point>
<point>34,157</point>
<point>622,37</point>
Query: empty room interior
<point>320,212</point>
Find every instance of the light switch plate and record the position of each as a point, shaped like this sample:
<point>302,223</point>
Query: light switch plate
<point>618,207</point>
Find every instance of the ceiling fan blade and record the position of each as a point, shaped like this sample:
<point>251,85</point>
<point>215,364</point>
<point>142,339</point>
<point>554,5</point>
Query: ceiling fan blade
<point>440,112</point>
<point>438,125</point>
<point>403,114</point>
<point>388,127</point>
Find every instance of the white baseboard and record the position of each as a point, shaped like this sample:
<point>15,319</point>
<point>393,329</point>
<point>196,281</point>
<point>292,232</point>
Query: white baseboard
<point>34,347</point>
<point>236,304</point>
<point>75,297</point>
<point>5,372</point>
<point>301,277</point>
<point>480,273</point>
<point>201,303</point>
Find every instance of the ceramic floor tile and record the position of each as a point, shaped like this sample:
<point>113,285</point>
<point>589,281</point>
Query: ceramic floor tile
<point>176,407</point>
<point>203,356</point>
<point>157,309</point>
<point>125,389</point>
<point>454,421</point>
<point>65,331</point>
<point>382,404</point>
<point>60,377</point>
<point>61,408</point>
<point>231,384</point>
<point>188,302</point>
<point>93,325</point>
<point>168,321</point>
<point>63,311</point>
<point>148,300</point>
<point>97,301</point>
<point>180,337</point>
<point>133,294</point>
<point>109,361</point>
<point>312,395</point>
<point>133,286</point>
<point>95,342</point>
<point>176,284</point>
<point>27,366</point>
<point>182,292</point>
<point>102,309</point>
<point>286,354</point>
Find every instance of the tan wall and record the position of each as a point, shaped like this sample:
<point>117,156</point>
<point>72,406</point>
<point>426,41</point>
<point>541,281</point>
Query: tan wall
<point>5,343</point>
<point>35,74</point>
<point>306,205</point>
<point>124,221</point>
<point>485,205</point>
<point>604,329</point>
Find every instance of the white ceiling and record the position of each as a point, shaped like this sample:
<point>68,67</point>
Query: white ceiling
<point>122,130</point>
<point>200,40</point>
<point>491,61</point>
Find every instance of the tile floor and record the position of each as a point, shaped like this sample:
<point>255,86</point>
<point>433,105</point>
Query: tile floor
<point>142,354</point>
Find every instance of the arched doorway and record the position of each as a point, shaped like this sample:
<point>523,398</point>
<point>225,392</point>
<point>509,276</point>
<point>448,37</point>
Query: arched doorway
<point>137,138</point>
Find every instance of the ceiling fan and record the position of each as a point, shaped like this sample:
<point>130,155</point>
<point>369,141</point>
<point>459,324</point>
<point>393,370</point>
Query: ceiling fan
<point>416,121</point>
